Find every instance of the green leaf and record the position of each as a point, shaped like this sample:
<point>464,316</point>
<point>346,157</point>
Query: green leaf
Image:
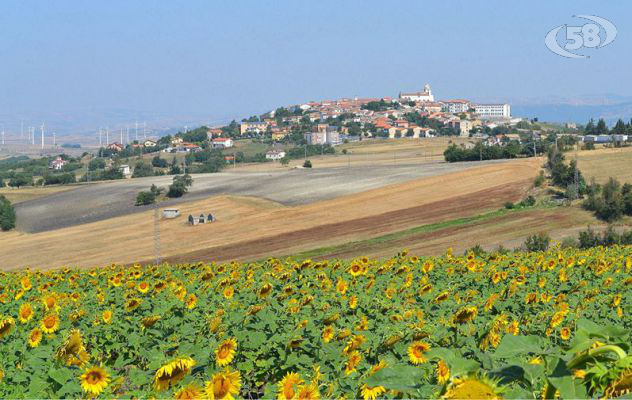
<point>403,378</point>
<point>60,376</point>
<point>568,387</point>
<point>511,346</point>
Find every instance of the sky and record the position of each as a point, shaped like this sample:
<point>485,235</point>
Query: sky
<point>212,60</point>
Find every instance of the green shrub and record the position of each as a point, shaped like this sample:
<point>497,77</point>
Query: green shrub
<point>307,164</point>
<point>7,214</point>
<point>539,242</point>
<point>145,198</point>
<point>509,205</point>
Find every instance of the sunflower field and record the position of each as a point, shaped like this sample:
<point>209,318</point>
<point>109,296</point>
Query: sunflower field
<point>552,324</point>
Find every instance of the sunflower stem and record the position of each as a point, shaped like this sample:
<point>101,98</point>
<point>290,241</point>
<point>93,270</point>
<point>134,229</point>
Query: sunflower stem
<point>596,352</point>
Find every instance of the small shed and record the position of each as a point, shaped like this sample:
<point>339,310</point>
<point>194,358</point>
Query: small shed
<point>170,213</point>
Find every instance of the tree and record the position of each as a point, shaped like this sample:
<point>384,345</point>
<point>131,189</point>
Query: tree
<point>159,162</point>
<point>19,180</point>
<point>601,128</point>
<point>539,242</point>
<point>96,163</point>
<point>142,169</point>
<point>285,160</point>
<point>145,198</point>
<point>307,164</point>
<point>7,214</point>
<point>179,186</point>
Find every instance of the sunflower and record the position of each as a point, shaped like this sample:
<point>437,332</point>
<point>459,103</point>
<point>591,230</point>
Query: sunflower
<point>6,326</point>
<point>229,292</point>
<point>94,380</point>
<point>265,290</point>
<point>371,392</point>
<point>224,385</point>
<point>25,313</point>
<point>225,352</point>
<point>288,387</point>
<point>341,286</point>
<point>328,333</point>
<point>50,302</point>
<point>621,385</point>
<point>473,387</point>
<point>106,316</point>
<point>465,315</point>
<point>35,337</point>
<point>50,323</point>
<point>308,392</point>
<point>565,333</point>
<point>143,287</point>
<point>353,302</point>
<point>172,372</point>
<point>416,352</point>
<point>73,352</point>
<point>149,321</point>
<point>25,282</point>
<point>353,361</point>
<point>189,392</point>
<point>443,372</point>
<point>356,269</point>
<point>442,297</point>
<point>132,304</point>
<point>191,301</point>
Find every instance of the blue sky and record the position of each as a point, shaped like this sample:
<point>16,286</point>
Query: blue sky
<point>226,58</point>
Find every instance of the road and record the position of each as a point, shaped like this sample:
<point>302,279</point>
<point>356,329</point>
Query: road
<point>99,201</point>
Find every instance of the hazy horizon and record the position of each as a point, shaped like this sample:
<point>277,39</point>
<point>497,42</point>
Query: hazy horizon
<point>74,64</point>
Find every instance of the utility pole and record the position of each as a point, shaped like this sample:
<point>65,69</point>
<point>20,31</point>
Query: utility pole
<point>121,136</point>
<point>127,134</point>
<point>157,233</point>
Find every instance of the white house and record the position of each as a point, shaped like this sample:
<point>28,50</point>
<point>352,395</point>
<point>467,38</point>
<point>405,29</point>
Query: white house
<point>170,213</point>
<point>125,170</point>
<point>150,143</point>
<point>275,154</point>
<point>493,110</point>
<point>456,106</point>
<point>425,95</point>
<point>57,164</point>
<point>222,143</point>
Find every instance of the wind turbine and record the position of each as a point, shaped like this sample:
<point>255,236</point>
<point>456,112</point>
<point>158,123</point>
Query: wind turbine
<point>42,128</point>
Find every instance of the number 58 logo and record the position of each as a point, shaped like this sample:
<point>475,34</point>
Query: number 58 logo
<point>577,37</point>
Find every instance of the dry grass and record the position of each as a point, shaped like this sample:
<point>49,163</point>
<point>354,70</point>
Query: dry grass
<point>375,152</point>
<point>250,228</point>
<point>18,195</point>
<point>602,164</point>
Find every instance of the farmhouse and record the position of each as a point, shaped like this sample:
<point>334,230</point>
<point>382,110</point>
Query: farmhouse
<point>253,127</point>
<point>275,154</point>
<point>57,164</point>
<point>222,143</point>
<point>170,213</point>
<point>115,147</point>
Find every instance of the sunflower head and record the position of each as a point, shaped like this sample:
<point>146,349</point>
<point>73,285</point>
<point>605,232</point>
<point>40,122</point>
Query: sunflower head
<point>94,380</point>
<point>225,352</point>
<point>50,323</point>
<point>371,392</point>
<point>473,387</point>
<point>6,326</point>
<point>172,372</point>
<point>35,337</point>
<point>224,385</point>
<point>288,386</point>
<point>25,313</point>
<point>189,392</point>
<point>416,352</point>
<point>72,351</point>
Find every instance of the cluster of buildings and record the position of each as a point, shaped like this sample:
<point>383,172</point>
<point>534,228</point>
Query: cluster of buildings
<point>462,115</point>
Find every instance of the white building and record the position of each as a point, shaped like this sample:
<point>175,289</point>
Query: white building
<point>222,143</point>
<point>493,110</point>
<point>125,170</point>
<point>275,154</point>
<point>456,106</point>
<point>426,95</point>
